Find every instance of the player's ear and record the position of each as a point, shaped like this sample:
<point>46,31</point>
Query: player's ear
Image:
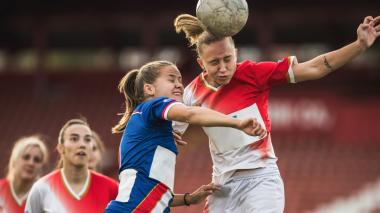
<point>60,148</point>
<point>149,90</point>
<point>200,62</point>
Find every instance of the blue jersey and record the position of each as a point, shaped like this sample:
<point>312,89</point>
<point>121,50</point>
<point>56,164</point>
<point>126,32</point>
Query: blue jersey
<point>147,145</point>
<point>147,156</point>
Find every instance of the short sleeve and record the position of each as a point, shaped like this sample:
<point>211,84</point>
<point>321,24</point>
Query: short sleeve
<point>158,108</point>
<point>268,74</point>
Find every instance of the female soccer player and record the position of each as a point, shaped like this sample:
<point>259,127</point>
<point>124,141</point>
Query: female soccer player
<point>248,170</point>
<point>29,154</point>
<point>72,188</point>
<point>147,153</point>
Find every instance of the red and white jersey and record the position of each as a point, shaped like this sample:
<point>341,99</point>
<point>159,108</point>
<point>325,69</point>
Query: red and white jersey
<point>9,202</point>
<point>52,193</point>
<point>245,96</point>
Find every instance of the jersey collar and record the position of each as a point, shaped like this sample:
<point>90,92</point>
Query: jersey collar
<point>79,195</point>
<point>206,84</point>
<point>19,200</point>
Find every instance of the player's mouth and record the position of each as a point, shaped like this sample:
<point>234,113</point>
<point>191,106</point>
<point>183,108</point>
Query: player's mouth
<point>29,171</point>
<point>178,93</point>
<point>81,154</point>
<point>223,77</point>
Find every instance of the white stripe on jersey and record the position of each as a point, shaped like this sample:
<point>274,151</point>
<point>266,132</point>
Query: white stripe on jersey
<point>226,139</point>
<point>292,61</point>
<point>163,203</point>
<point>163,166</point>
<point>127,179</point>
<point>42,199</point>
<point>15,197</point>
<point>168,108</point>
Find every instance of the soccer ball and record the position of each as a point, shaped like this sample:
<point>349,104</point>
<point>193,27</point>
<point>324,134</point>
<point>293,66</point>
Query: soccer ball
<point>223,18</point>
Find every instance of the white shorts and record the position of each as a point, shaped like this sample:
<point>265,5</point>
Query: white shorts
<point>249,192</point>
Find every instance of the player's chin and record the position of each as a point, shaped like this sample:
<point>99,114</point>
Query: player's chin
<point>177,97</point>
<point>223,81</point>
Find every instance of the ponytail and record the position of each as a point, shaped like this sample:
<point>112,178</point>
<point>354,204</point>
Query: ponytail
<point>196,32</point>
<point>132,86</point>
<point>127,86</point>
<point>190,25</point>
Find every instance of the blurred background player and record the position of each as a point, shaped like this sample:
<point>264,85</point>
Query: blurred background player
<point>72,187</point>
<point>147,155</point>
<point>248,171</point>
<point>98,150</point>
<point>29,155</point>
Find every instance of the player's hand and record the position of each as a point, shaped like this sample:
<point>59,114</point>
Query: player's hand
<point>201,193</point>
<point>368,31</point>
<point>252,127</point>
<point>178,139</point>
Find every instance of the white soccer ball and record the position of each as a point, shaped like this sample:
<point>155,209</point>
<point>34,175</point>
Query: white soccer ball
<point>223,17</point>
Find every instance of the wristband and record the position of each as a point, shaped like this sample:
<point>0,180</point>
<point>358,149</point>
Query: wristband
<point>184,199</point>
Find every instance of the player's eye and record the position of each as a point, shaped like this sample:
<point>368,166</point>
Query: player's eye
<point>214,63</point>
<point>26,157</point>
<point>74,139</point>
<point>227,59</point>
<point>37,159</point>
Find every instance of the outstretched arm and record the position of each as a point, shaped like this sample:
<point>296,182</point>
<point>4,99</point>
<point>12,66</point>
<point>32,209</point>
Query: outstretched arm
<point>196,197</point>
<point>206,117</point>
<point>316,68</point>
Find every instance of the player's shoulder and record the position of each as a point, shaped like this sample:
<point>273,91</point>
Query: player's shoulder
<point>100,178</point>
<point>48,178</point>
<point>52,175</point>
<point>248,65</point>
<point>159,100</point>
<point>43,185</point>
<point>3,183</point>
<point>196,81</point>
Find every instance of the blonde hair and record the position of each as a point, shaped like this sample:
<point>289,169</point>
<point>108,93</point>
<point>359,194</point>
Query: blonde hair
<point>132,86</point>
<point>196,32</point>
<point>80,121</point>
<point>20,146</point>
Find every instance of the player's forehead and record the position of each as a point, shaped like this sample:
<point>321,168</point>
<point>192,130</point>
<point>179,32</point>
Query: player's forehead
<point>170,71</point>
<point>217,49</point>
<point>78,130</point>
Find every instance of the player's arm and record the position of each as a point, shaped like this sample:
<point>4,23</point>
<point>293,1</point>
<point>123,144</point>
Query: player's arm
<point>206,117</point>
<point>322,65</point>
<point>196,197</point>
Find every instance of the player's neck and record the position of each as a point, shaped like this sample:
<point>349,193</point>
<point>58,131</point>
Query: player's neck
<point>21,187</point>
<point>75,175</point>
<point>211,81</point>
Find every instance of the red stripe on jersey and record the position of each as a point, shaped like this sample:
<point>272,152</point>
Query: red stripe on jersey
<point>262,146</point>
<point>152,198</point>
<point>8,200</point>
<point>163,111</point>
